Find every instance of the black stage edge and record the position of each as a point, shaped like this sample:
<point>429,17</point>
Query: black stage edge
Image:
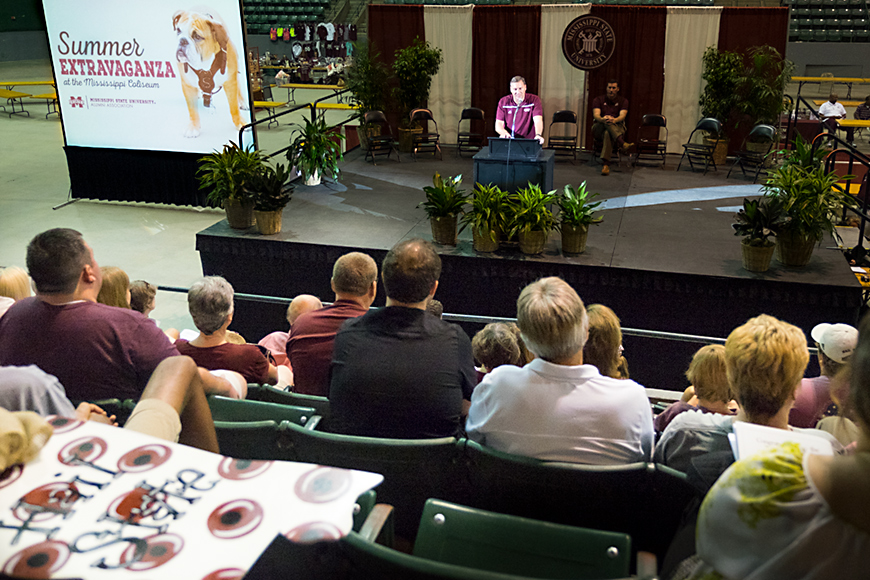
<point>644,263</point>
<point>134,175</point>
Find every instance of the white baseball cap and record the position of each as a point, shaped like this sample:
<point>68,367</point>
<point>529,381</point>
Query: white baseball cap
<point>837,341</point>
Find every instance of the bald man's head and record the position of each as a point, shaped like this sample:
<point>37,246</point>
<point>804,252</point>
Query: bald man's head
<point>302,304</point>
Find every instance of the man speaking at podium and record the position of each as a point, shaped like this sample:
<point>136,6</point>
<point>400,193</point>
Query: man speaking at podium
<point>520,115</point>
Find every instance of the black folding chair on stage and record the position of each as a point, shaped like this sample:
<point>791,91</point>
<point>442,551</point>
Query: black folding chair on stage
<point>702,143</point>
<point>762,136</point>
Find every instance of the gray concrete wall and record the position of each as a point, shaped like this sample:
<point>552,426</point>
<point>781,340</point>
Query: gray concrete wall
<point>23,45</point>
<point>842,59</point>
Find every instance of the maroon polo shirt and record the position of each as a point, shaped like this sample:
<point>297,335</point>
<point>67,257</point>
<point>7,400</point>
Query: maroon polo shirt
<point>525,113</point>
<point>246,359</point>
<point>608,107</point>
<point>309,347</point>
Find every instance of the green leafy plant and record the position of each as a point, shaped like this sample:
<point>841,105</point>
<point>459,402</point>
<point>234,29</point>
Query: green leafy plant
<point>803,155</point>
<point>443,197</point>
<point>224,173</point>
<point>761,85</point>
<point>757,220</point>
<point>529,210</point>
<point>269,188</point>
<point>414,67</point>
<point>576,208</point>
<point>367,79</point>
<point>722,72</point>
<point>485,214</point>
<point>315,147</point>
<point>809,199</point>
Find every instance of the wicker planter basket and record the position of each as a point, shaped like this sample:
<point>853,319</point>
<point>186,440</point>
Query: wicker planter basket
<point>533,242</point>
<point>269,222</point>
<point>240,216</point>
<point>483,241</point>
<point>574,238</point>
<point>756,258</point>
<point>444,230</point>
<point>794,249</point>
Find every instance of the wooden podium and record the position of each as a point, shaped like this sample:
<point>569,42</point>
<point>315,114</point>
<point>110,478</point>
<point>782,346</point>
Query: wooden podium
<point>513,163</point>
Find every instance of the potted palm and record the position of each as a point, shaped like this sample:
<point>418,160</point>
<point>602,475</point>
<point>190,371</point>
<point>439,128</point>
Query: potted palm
<point>575,215</point>
<point>224,174</point>
<point>810,203</point>
<point>721,73</point>
<point>485,217</point>
<point>414,67</point>
<point>531,218</point>
<point>271,193</point>
<point>315,150</point>
<point>444,201</point>
<point>367,81</point>
<point>756,222</point>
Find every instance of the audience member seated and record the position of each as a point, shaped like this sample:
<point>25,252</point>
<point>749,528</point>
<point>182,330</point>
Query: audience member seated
<point>14,285</point>
<point>556,408</point>
<point>841,424</point>
<point>711,391</point>
<point>115,290</point>
<point>435,308</point>
<point>496,345</point>
<point>784,514</point>
<point>276,341</point>
<point>210,301</point>
<point>399,371</point>
<point>765,359</point>
<point>835,343</point>
<point>603,348</point>
<point>143,298</point>
<point>309,348</point>
<point>172,407</point>
<point>96,351</point>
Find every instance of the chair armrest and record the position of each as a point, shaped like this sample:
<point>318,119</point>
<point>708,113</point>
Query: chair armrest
<point>313,422</point>
<point>378,527</point>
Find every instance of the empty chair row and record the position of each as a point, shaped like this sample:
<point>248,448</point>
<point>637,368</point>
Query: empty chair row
<point>823,3</point>
<point>860,35</point>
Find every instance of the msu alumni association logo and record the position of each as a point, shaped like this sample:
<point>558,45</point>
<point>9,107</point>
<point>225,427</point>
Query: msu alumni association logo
<point>588,42</point>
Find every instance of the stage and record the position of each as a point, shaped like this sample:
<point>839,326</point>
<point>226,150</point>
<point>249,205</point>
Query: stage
<point>664,258</point>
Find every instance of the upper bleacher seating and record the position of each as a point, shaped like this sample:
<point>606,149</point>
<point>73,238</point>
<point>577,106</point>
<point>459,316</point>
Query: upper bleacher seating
<point>262,15</point>
<point>828,20</point>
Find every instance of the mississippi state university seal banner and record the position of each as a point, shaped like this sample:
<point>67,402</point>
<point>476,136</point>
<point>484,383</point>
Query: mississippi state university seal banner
<point>168,75</point>
<point>588,42</point>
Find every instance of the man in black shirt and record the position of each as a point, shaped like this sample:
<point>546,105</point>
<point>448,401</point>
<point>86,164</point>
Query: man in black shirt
<point>608,123</point>
<point>399,371</point>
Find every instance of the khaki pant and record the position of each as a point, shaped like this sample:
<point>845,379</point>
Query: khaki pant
<point>608,135</point>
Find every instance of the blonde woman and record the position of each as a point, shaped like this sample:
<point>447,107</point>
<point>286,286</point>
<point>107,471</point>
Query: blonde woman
<point>602,349</point>
<point>115,290</point>
<point>14,286</point>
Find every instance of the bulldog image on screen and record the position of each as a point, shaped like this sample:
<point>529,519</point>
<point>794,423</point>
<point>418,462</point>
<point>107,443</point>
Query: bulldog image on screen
<point>207,63</point>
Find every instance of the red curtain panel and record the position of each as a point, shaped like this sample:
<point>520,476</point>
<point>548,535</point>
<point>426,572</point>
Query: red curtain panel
<point>506,41</point>
<point>638,63</point>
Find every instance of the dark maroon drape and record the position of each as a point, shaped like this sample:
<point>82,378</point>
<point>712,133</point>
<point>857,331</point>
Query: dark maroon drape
<point>638,62</point>
<point>390,28</point>
<point>506,41</point>
<point>742,28</point>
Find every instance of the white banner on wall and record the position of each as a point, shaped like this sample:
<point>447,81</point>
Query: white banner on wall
<point>158,75</point>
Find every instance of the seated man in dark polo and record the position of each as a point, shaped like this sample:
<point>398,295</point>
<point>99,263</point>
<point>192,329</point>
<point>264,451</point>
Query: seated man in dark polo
<point>309,346</point>
<point>96,351</point>
<point>398,371</point>
<point>608,123</point>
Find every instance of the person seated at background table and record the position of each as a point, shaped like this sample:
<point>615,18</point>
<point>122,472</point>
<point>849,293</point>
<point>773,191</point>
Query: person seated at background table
<point>115,290</point>
<point>556,408</point>
<point>830,111</point>
<point>603,348</point>
<point>786,514</point>
<point>210,301</point>
<point>765,359</point>
<point>711,391</point>
<point>14,285</point>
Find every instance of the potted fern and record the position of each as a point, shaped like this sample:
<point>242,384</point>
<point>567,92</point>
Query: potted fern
<point>757,222</point>
<point>531,218</point>
<point>575,215</point>
<point>444,201</point>
<point>224,174</point>
<point>271,193</point>
<point>315,150</point>
<point>485,217</point>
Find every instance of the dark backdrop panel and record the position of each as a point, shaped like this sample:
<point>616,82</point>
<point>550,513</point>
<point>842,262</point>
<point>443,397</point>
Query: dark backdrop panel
<point>506,41</point>
<point>134,175</point>
<point>391,28</point>
<point>742,28</point>
<point>638,62</point>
